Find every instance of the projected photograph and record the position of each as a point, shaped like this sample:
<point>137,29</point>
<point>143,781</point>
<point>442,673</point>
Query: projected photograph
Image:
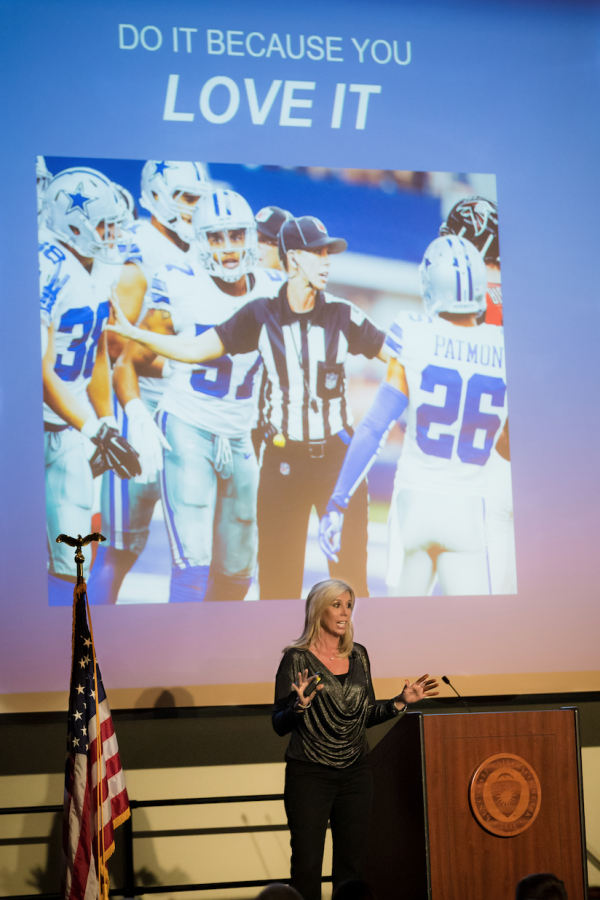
<point>259,377</point>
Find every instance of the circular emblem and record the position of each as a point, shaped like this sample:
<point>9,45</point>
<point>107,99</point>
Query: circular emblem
<point>505,794</point>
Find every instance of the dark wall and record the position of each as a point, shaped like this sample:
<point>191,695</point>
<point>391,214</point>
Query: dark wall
<point>168,736</point>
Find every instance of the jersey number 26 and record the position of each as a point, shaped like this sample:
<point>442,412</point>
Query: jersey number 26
<point>475,423</point>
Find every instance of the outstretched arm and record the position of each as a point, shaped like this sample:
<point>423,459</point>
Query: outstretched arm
<point>370,436</point>
<point>136,360</point>
<point>200,348</point>
<point>130,290</point>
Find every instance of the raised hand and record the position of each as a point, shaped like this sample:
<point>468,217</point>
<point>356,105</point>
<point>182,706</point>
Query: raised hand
<point>420,689</point>
<point>121,325</point>
<point>300,686</point>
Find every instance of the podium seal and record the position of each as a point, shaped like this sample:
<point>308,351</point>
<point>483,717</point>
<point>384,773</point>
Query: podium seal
<point>505,794</point>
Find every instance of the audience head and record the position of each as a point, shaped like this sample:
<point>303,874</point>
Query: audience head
<point>543,886</point>
<point>279,892</point>
<point>354,890</point>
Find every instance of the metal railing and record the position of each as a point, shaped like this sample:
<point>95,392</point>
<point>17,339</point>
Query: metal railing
<point>127,835</point>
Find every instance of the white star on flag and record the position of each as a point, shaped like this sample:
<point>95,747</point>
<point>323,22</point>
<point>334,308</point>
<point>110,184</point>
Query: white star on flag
<point>88,839</point>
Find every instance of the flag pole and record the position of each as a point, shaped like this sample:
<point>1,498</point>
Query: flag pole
<point>78,543</point>
<point>80,588</point>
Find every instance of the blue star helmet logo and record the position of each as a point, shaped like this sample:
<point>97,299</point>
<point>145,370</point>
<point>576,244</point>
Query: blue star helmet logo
<point>160,168</point>
<point>427,262</point>
<point>78,201</point>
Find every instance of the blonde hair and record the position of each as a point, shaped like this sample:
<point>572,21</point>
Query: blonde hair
<point>320,597</point>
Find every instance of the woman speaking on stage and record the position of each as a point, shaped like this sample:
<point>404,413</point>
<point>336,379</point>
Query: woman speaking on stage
<point>328,776</point>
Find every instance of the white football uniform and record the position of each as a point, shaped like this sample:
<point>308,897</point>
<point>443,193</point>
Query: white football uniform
<point>151,250</point>
<point>498,497</point>
<point>218,396</point>
<point>127,506</point>
<point>76,303</point>
<point>210,479</point>
<point>457,409</point>
<point>501,526</point>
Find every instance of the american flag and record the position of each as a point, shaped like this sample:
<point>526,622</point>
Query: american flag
<point>88,825</point>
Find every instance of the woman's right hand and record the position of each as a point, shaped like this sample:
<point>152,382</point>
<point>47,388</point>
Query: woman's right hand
<point>300,686</point>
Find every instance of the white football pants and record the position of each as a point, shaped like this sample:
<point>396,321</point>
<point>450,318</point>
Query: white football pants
<point>501,528</point>
<point>431,534</point>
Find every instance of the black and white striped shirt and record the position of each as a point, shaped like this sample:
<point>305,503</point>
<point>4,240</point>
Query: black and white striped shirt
<point>304,356</point>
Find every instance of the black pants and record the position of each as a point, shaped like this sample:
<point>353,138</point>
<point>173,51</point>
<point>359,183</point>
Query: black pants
<point>314,795</point>
<point>291,483</point>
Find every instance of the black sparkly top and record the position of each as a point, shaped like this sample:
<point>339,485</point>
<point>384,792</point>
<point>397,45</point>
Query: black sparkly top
<point>332,731</point>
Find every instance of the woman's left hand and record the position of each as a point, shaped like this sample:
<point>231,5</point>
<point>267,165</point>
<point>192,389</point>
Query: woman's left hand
<point>121,324</point>
<point>422,688</point>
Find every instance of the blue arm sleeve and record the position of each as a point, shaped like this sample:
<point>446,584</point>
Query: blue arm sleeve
<point>369,438</point>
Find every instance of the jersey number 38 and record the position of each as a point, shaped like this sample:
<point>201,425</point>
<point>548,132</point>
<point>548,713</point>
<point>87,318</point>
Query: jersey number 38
<point>82,354</point>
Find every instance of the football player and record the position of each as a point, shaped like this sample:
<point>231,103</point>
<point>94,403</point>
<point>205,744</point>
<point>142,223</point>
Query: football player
<point>131,212</point>
<point>269,220</point>
<point>170,191</point>
<point>210,477</point>
<point>449,374</point>
<point>43,178</point>
<point>476,219</point>
<point>307,408</point>
<point>83,215</point>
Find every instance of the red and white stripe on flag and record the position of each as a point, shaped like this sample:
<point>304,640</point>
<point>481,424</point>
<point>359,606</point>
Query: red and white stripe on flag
<point>86,847</point>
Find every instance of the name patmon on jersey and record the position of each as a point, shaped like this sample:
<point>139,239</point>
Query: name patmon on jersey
<point>151,250</point>
<point>218,396</point>
<point>457,385</point>
<point>76,303</point>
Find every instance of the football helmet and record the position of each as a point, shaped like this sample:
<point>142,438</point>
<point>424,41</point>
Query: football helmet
<point>86,211</point>
<point>225,211</point>
<point>476,219</point>
<point>163,183</point>
<point>453,277</point>
<point>44,177</point>
<point>269,220</point>
<point>129,202</point>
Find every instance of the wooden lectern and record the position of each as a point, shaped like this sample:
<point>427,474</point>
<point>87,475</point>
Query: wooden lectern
<point>468,804</point>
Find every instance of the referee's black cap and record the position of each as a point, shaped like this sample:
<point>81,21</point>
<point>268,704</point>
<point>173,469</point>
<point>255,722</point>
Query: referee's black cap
<point>307,233</point>
<point>269,220</point>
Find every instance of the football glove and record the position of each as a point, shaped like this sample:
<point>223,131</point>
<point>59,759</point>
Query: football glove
<point>113,452</point>
<point>147,440</point>
<point>330,531</point>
